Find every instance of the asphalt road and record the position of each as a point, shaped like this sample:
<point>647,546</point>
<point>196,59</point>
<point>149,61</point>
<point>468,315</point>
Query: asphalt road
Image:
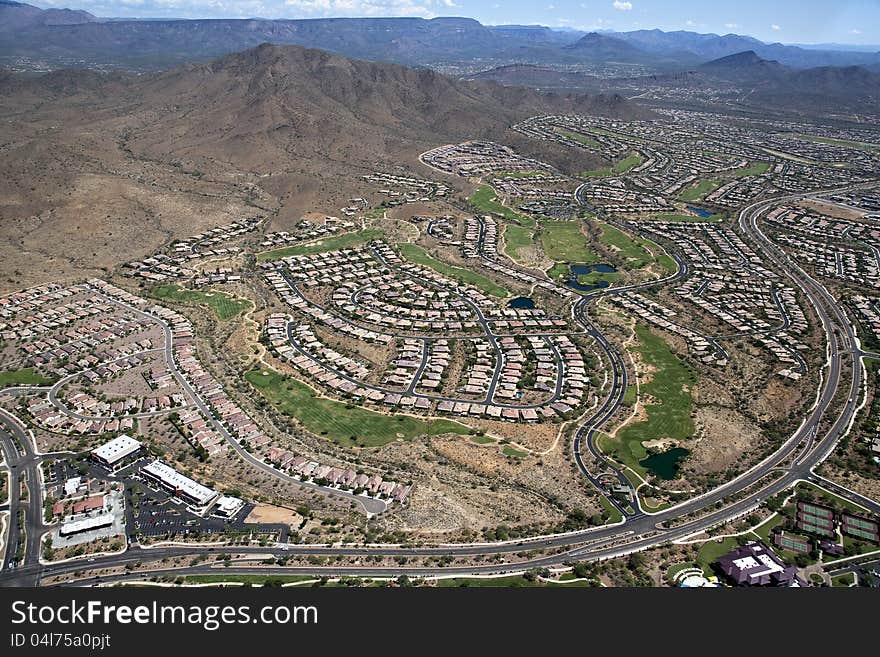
<point>793,461</point>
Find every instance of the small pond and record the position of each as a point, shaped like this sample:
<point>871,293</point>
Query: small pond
<point>522,303</point>
<point>700,212</point>
<point>665,464</point>
<point>583,270</point>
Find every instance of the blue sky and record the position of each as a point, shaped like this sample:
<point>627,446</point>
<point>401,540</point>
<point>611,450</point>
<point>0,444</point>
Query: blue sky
<point>788,21</point>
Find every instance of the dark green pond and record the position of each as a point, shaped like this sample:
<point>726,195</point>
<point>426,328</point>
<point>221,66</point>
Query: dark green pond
<point>665,464</point>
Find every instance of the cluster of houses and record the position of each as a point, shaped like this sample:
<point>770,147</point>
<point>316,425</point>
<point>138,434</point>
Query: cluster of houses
<point>216,276</point>
<point>208,240</point>
<point>395,305</point>
<point>743,190</point>
<point>24,322</point>
<point>416,374</point>
<point>228,421</point>
<point>83,403</point>
<point>164,267</point>
<point>91,347</point>
<point>868,312</point>
<point>845,250</point>
<point>866,201</point>
<point>563,129</point>
<point>539,186</point>
<point>302,337</point>
<point>406,363</point>
<point>54,418</point>
<point>440,228</point>
<point>481,242</point>
<point>527,364</point>
<point>688,164</point>
<point>614,195</point>
<point>183,254</point>
<point>404,189</point>
<point>700,346</point>
<point>437,363</point>
<point>478,158</point>
<point>355,207</point>
<point>730,283</point>
<point>337,477</point>
<point>304,231</point>
<point>480,238</point>
<point>559,208</point>
<point>297,301</point>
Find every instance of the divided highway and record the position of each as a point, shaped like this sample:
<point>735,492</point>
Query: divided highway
<point>836,404</point>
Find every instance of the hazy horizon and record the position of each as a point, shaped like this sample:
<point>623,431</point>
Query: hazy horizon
<point>806,22</point>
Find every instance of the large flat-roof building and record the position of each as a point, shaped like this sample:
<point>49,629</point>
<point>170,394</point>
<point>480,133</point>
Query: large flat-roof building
<point>179,485</point>
<point>755,564</point>
<point>118,451</point>
<point>86,524</point>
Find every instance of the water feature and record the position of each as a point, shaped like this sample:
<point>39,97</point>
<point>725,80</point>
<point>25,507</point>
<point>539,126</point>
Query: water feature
<point>665,464</point>
<point>583,270</point>
<point>522,303</point>
<point>700,212</point>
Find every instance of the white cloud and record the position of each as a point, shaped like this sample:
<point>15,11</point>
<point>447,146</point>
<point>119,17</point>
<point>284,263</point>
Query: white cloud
<point>731,26</point>
<point>775,27</point>
<point>622,5</point>
<point>855,31</point>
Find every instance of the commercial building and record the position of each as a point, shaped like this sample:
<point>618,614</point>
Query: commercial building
<point>179,485</point>
<point>228,507</point>
<point>756,565</point>
<point>117,452</point>
<point>86,524</point>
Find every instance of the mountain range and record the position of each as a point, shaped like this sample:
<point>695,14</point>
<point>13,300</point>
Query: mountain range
<point>112,165</point>
<point>744,77</point>
<point>59,37</point>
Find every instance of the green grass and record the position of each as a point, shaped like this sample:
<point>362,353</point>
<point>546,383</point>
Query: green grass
<point>510,451</point>
<point>670,408</point>
<point>564,241</point>
<point>485,202</point>
<point>767,528</point>
<point>628,163</point>
<point>511,582</point>
<point>24,377</point>
<point>482,440</point>
<point>417,254</point>
<point>341,423</point>
<point>344,241</point>
<point>516,238</point>
<point>225,306</point>
<point>845,580</point>
<point>603,172</point>
<point>753,169</point>
<point>580,138</point>
<point>697,191</point>
<point>558,271</point>
<point>846,143</point>
<point>631,249</point>
<point>710,551</point>
<point>619,168</point>
<point>610,510</point>
<point>596,277</point>
<point>375,213</point>
<point>256,580</point>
